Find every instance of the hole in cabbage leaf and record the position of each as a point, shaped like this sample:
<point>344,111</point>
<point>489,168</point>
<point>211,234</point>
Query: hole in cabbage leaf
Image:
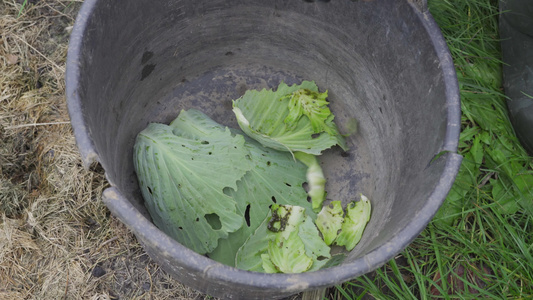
<point>274,199</point>
<point>305,186</point>
<point>149,190</point>
<point>247,215</point>
<point>227,191</point>
<point>288,184</point>
<point>205,143</point>
<point>321,258</point>
<point>315,135</point>
<point>214,221</point>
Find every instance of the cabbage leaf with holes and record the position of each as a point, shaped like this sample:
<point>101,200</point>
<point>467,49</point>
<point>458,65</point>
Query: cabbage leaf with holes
<point>286,242</point>
<point>354,223</point>
<point>182,175</point>
<point>276,178</point>
<point>329,221</point>
<point>291,118</point>
<point>237,196</point>
<point>209,187</point>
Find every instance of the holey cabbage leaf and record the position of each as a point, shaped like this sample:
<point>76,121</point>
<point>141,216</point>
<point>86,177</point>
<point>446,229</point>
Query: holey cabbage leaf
<point>286,250</point>
<point>276,178</point>
<point>286,242</point>
<point>291,118</point>
<point>209,187</point>
<point>238,196</point>
<point>354,223</point>
<point>183,175</point>
<point>329,221</point>
<point>342,229</point>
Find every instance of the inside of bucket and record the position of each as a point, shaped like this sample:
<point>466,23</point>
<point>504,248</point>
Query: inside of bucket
<point>375,59</point>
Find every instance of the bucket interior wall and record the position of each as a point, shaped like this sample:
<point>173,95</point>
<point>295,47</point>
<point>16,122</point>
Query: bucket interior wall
<point>144,61</point>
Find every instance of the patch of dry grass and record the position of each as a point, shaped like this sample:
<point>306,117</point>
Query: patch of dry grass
<point>57,239</point>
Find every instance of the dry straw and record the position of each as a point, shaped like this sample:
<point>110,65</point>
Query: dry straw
<point>57,239</point>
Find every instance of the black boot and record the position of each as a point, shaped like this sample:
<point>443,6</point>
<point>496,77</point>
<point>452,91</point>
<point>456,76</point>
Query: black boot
<point>516,33</point>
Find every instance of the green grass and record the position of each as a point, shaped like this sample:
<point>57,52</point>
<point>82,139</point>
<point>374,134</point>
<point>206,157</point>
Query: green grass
<point>22,8</point>
<point>480,244</point>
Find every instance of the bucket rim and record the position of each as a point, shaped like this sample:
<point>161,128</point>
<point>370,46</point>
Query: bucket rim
<point>87,149</point>
<point>287,283</point>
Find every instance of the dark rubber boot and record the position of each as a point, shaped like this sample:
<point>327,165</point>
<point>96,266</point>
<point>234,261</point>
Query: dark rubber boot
<point>516,33</point>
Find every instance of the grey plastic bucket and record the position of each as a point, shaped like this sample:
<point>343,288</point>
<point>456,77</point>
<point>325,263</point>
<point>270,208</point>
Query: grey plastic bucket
<point>384,63</point>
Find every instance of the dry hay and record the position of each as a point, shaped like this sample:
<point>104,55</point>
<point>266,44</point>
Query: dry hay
<point>57,239</point>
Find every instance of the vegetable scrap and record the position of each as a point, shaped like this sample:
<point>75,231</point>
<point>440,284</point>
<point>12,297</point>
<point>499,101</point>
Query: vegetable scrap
<point>237,195</point>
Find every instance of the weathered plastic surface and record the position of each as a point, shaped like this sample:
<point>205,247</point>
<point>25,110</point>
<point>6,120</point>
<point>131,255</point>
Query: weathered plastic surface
<point>516,31</point>
<point>384,63</point>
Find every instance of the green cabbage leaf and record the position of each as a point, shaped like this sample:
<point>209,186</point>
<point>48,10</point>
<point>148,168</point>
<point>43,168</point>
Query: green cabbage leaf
<point>315,179</point>
<point>276,178</point>
<point>210,187</point>
<point>286,242</point>
<point>291,118</point>
<point>183,176</point>
<point>237,196</point>
<point>329,221</point>
<point>354,223</point>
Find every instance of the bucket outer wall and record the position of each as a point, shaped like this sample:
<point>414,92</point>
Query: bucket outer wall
<point>213,278</point>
